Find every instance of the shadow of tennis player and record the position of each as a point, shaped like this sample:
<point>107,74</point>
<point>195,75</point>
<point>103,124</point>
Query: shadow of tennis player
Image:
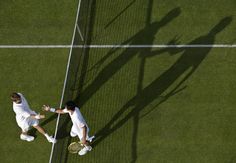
<point>144,37</point>
<point>186,65</point>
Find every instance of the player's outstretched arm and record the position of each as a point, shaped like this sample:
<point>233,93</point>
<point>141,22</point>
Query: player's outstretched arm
<point>48,108</point>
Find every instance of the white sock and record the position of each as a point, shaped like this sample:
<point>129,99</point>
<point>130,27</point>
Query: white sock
<point>46,135</point>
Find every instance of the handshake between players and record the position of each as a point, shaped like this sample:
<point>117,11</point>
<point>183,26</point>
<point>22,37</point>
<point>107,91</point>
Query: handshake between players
<point>26,118</point>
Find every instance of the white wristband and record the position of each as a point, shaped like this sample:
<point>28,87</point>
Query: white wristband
<point>52,110</point>
<point>37,116</point>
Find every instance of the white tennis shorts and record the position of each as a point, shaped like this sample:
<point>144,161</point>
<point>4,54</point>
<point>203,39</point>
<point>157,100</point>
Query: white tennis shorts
<point>75,131</point>
<point>27,123</point>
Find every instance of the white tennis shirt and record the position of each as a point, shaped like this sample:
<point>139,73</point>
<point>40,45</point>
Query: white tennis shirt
<point>76,118</point>
<point>22,110</point>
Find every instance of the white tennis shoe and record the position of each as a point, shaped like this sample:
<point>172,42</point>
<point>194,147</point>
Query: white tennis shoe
<point>26,137</point>
<point>84,150</point>
<point>51,139</point>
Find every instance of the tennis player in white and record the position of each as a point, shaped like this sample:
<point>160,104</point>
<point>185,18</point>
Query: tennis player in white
<point>79,127</point>
<point>26,118</point>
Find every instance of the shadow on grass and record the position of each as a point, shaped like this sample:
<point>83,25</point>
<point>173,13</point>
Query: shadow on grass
<point>186,65</point>
<point>118,15</point>
<point>45,122</point>
<point>99,35</point>
<point>145,36</point>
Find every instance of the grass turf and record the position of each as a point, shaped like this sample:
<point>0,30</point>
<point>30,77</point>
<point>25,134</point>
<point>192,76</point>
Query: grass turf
<point>33,22</point>
<point>128,96</point>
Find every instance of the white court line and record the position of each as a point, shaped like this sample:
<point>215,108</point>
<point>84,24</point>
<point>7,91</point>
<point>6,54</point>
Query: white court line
<point>117,46</point>
<point>162,46</point>
<point>65,81</point>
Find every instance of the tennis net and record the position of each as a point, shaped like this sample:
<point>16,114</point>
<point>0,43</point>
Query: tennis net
<point>73,78</point>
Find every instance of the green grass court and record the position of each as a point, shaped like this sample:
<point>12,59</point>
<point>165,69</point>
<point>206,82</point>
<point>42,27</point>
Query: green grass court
<point>157,105</point>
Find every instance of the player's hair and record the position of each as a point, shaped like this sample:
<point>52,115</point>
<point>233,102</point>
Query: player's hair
<point>15,96</point>
<point>70,105</point>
